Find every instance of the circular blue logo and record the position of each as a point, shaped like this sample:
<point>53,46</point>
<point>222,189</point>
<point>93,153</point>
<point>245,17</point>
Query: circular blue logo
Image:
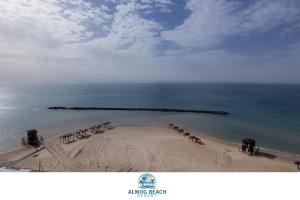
<point>147,181</point>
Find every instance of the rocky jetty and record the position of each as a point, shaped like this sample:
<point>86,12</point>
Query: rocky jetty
<point>140,109</point>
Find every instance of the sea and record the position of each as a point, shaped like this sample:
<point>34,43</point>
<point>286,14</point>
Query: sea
<point>268,113</point>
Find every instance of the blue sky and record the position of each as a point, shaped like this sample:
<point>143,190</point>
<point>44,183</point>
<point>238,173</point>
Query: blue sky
<point>80,41</point>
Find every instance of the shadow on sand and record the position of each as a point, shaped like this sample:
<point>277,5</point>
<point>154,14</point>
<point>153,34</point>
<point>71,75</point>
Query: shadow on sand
<point>266,155</point>
<point>200,142</point>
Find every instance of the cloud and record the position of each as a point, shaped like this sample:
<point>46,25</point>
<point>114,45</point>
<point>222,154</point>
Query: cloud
<point>60,20</point>
<point>129,31</point>
<point>211,21</point>
<point>50,40</point>
<point>80,41</point>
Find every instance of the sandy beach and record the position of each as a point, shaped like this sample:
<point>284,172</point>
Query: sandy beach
<point>130,148</point>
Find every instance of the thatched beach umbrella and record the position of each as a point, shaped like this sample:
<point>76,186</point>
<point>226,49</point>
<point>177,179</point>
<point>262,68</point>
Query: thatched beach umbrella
<point>191,137</point>
<point>197,140</point>
<point>186,134</point>
<point>180,131</point>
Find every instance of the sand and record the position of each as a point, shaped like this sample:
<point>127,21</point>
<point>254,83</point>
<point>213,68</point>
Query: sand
<point>154,148</point>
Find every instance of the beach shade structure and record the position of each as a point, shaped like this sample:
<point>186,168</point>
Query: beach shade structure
<point>107,125</point>
<point>193,138</point>
<point>180,130</point>
<point>69,138</point>
<point>61,138</point>
<point>79,134</point>
<point>298,164</point>
<point>32,138</point>
<point>171,125</point>
<point>198,140</point>
<point>186,134</point>
<point>249,144</point>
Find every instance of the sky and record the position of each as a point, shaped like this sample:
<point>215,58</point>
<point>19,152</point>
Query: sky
<point>81,41</point>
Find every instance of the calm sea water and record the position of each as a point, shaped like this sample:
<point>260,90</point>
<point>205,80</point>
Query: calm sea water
<point>268,113</point>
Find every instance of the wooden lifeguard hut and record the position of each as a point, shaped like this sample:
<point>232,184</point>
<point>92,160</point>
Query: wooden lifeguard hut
<point>248,144</point>
<point>32,138</point>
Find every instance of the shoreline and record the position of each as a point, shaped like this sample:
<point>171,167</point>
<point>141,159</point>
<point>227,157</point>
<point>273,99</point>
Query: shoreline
<point>225,140</point>
<point>198,132</point>
<point>160,130</point>
<point>216,138</point>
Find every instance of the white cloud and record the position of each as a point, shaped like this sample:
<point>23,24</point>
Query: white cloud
<point>56,22</point>
<point>129,31</point>
<point>61,41</point>
<point>46,40</point>
<point>211,21</point>
<point>265,15</point>
<point>59,19</point>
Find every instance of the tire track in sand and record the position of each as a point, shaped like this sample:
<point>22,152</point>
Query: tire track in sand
<point>60,155</point>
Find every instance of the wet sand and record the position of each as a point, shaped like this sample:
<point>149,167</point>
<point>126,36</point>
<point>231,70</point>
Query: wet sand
<point>155,148</point>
